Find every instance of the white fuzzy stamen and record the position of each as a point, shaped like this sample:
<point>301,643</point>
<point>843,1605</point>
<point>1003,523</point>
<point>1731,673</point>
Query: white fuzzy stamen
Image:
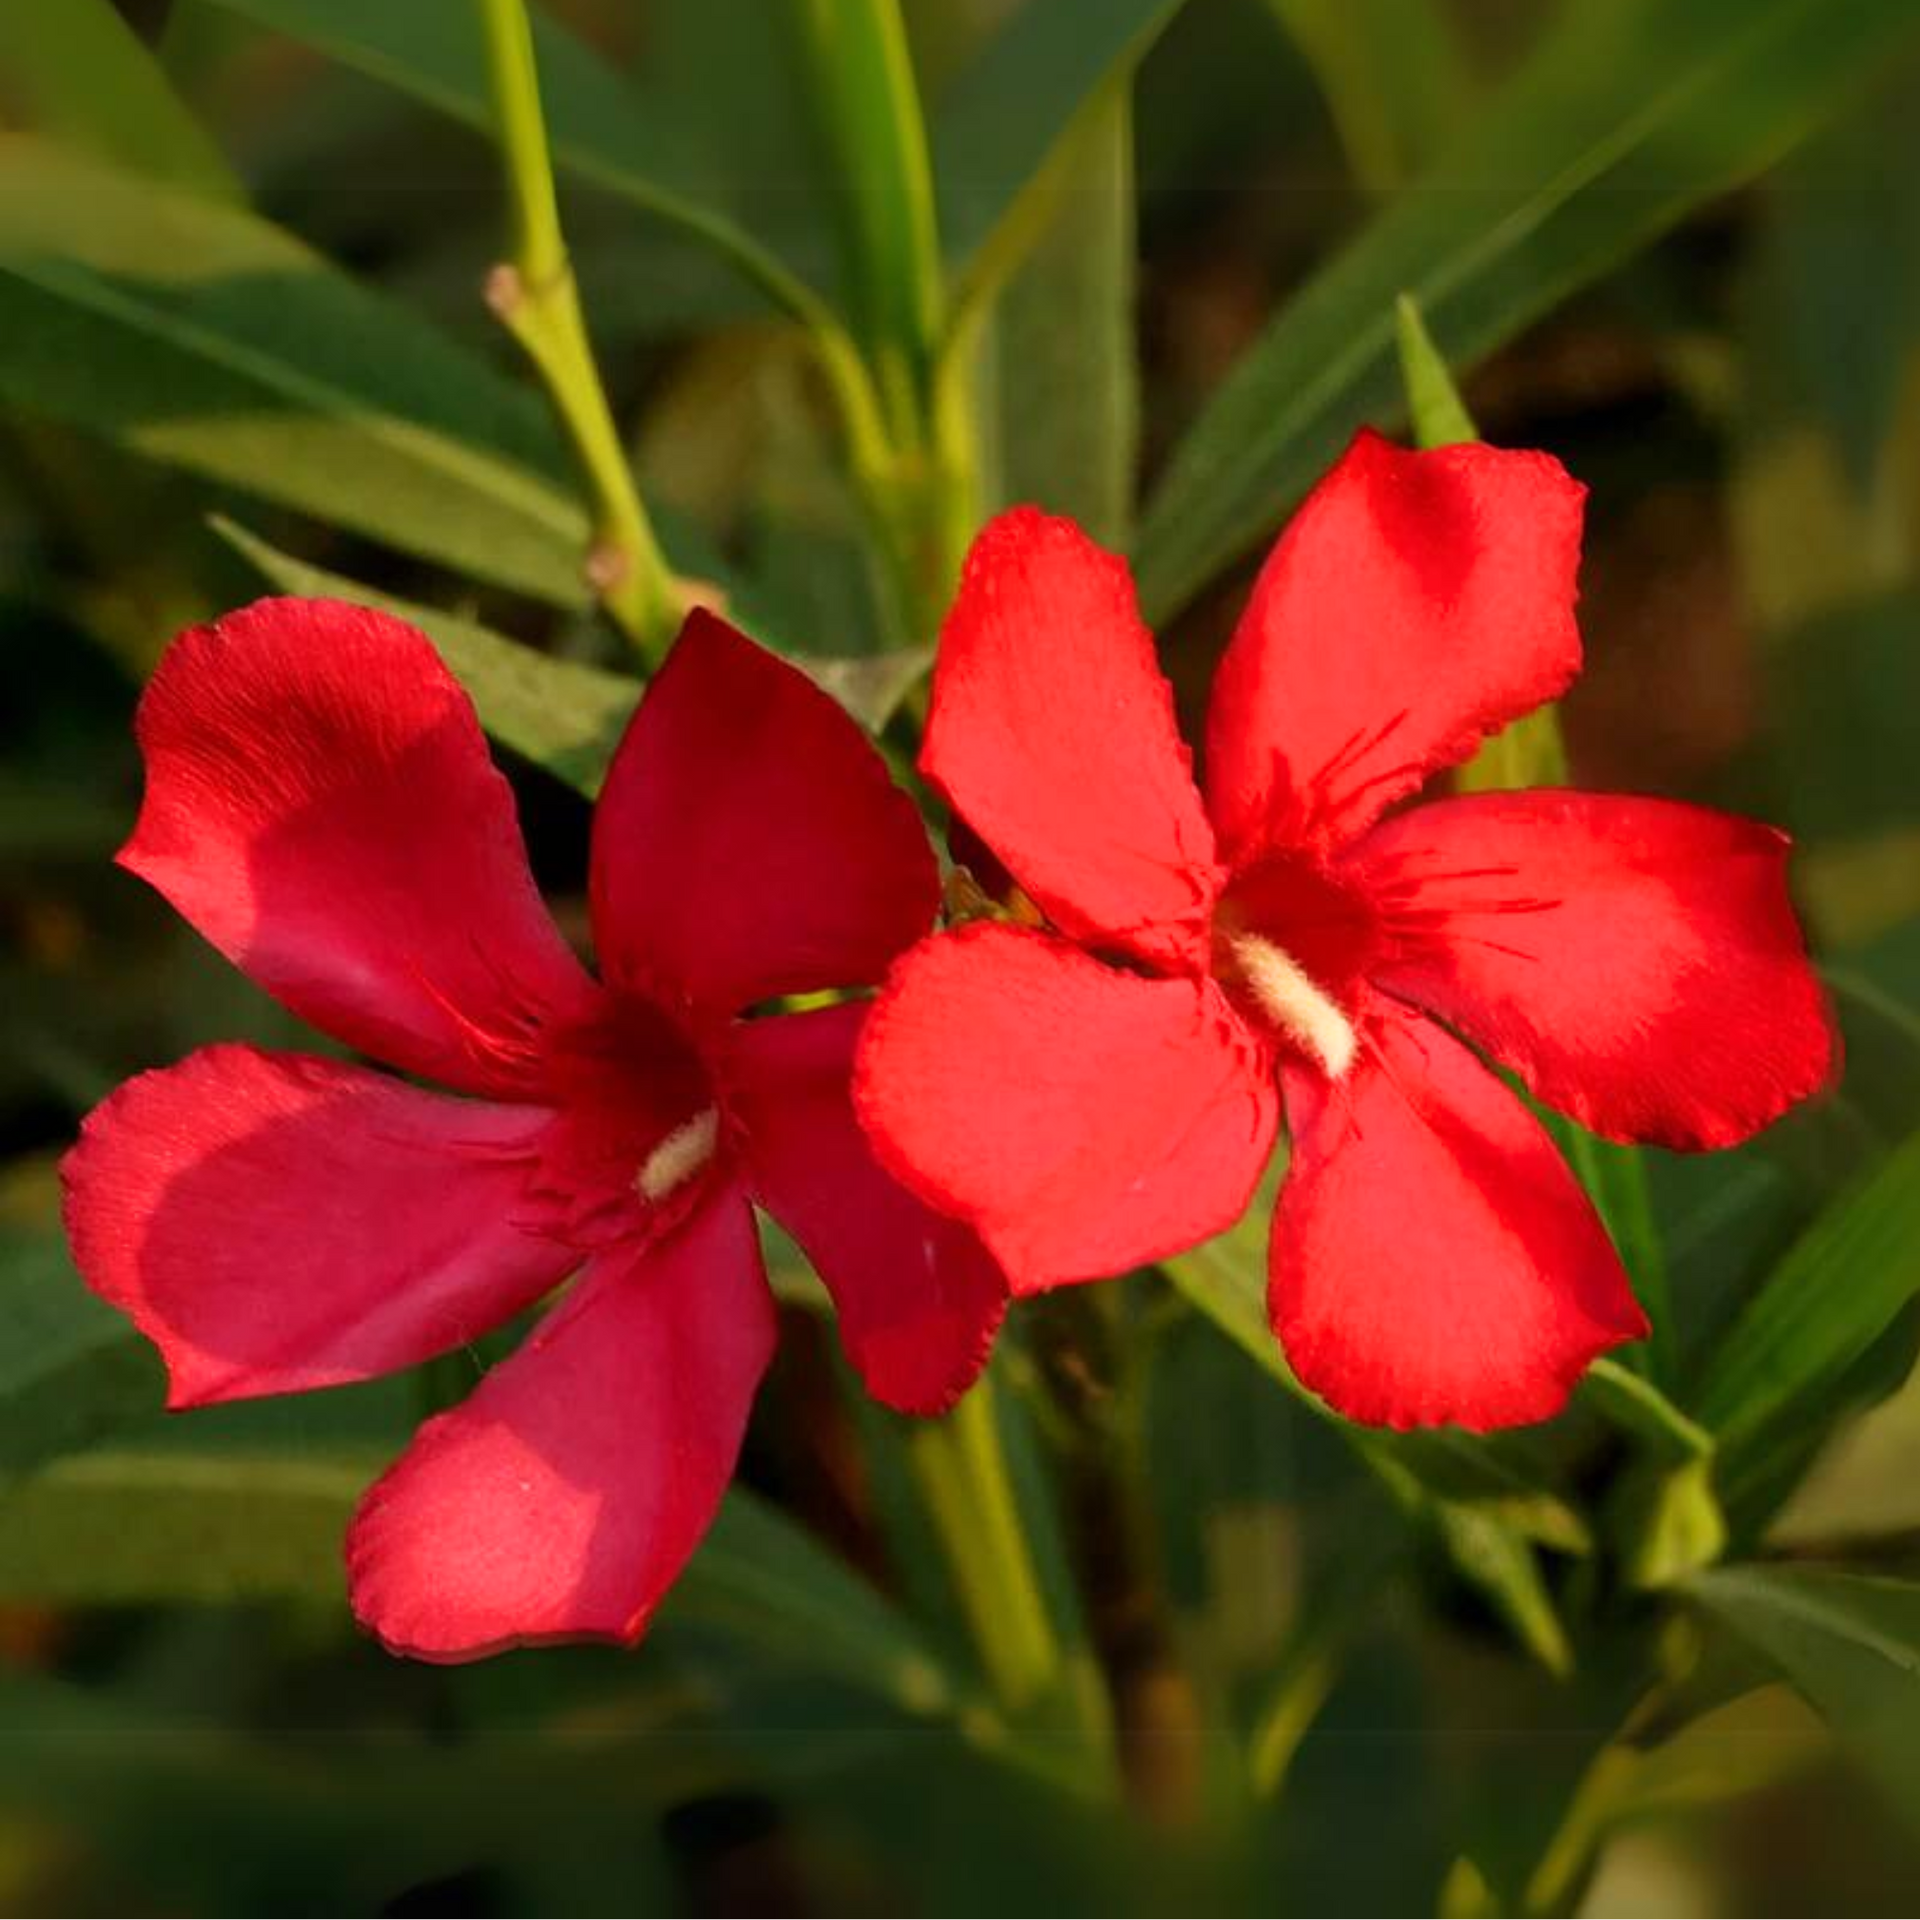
<point>679,1156</point>
<point>1293,1003</point>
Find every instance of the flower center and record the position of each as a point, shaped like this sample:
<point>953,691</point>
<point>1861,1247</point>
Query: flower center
<point>1284,992</point>
<point>1292,946</point>
<point>678,1157</point>
<point>636,1129</point>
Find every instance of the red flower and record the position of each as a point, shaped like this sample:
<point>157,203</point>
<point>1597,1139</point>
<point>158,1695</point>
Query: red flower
<point>321,806</point>
<point>1104,1093</point>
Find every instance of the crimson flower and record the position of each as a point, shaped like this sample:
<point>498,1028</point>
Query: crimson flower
<point>1106,1091</point>
<point>321,806</point>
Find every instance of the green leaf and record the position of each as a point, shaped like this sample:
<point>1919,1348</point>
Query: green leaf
<point>1670,1522</point>
<point>1008,114</point>
<point>216,1522</point>
<point>1226,1280</point>
<point>79,71</point>
<point>121,1525</point>
<point>1633,113</point>
<point>562,715</point>
<point>71,1368</point>
<point>1850,1642</point>
<point>1066,379</point>
<point>203,338</point>
<point>768,1582</point>
<point>1392,75</point>
<point>655,141</point>
<point>1836,1291</point>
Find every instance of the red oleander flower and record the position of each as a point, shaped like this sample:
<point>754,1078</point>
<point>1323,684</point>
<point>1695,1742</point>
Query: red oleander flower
<point>321,806</point>
<point>1105,1092</point>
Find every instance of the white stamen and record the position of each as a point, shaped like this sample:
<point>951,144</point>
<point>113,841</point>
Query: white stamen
<point>679,1156</point>
<point>1293,1003</point>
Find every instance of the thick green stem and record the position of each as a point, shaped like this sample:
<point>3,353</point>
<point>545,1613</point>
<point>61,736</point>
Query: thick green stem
<point>535,297</point>
<point>908,413</point>
<point>961,1468</point>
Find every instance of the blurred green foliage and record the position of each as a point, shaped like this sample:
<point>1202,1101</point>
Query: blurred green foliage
<point>1140,261</point>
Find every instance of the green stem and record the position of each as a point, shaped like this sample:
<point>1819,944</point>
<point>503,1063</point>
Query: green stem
<point>961,1468</point>
<point>907,405</point>
<point>535,297</point>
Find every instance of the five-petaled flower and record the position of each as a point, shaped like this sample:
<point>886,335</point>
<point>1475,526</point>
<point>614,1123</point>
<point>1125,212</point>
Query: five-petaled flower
<point>321,806</point>
<point>1106,1092</point>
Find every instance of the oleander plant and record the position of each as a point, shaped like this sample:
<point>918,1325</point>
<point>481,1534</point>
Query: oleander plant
<point>960,956</point>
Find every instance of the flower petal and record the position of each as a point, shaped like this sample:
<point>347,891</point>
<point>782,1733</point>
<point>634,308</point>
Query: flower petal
<point>321,806</point>
<point>919,1298</point>
<point>1637,962</point>
<point>277,1222</point>
<point>750,841</point>
<point>561,1500</point>
<point>1081,1119</point>
<point>1417,602</point>
<point>1052,732</point>
<point>1433,1260</point>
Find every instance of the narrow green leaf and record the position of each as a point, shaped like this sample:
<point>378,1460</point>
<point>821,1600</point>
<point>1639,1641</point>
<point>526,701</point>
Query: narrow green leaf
<point>1005,118</point>
<point>1630,115</point>
<point>1850,1642</point>
<point>1505,1566</point>
<point>1392,75</point>
<point>77,70</point>
<point>1531,753</point>
<point>1438,415</point>
<point>562,715</point>
<point>201,337</point>
<point>1065,372</point>
<point>1634,1404</point>
<point>1836,1291</point>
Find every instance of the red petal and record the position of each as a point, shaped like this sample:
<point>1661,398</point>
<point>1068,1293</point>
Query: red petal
<point>563,1498</point>
<point>1083,1120</point>
<point>321,806</point>
<point>276,1222</point>
<point>1052,732</point>
<point>918,1297</point>
<point>1433,1260</point>
<point>1637,962</point>
<point>1417,602</point>
<point>750,841</point>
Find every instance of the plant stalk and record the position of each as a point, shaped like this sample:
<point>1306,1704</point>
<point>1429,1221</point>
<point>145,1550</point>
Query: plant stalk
<point>536,299</point>
<point>961,1467</point>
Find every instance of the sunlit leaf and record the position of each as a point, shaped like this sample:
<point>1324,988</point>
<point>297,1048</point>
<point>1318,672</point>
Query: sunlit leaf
<point>203,338</point>
<point>79,71</point>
